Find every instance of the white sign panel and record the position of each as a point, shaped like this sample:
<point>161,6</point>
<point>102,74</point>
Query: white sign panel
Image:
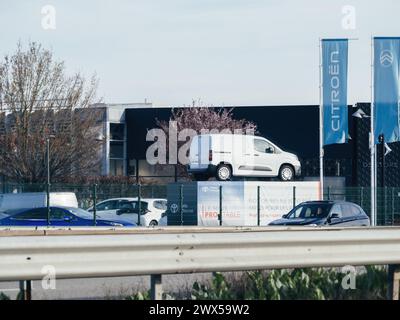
<point>239,201</point>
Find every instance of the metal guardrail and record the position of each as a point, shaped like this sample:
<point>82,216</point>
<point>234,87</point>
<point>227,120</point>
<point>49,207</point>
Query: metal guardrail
<point>81,253</point>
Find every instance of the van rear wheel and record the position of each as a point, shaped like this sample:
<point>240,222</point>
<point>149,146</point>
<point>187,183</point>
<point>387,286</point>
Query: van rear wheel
<point>224,172</point>
<point>286,173</point>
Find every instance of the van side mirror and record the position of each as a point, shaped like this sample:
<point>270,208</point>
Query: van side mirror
<point>269,150</point>
<point>284,216</point>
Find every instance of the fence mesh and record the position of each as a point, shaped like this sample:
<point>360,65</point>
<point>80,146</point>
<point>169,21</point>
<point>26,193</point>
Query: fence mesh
<point>388,199</point>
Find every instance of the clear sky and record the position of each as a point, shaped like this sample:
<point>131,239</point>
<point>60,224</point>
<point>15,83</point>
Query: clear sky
<point>224,52</point>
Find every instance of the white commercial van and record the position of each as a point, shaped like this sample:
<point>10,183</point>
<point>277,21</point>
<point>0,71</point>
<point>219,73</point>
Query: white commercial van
<point>226,155</point>
<point>9,201</point>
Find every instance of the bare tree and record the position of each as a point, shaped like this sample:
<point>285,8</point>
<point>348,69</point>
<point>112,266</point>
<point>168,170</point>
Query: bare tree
<point>38,101</point>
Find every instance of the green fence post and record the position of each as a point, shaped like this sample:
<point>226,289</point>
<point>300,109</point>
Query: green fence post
<point>294,196</point>
<point>48,202</point>
<point>139,190</point>
<point>392,206</point>
<point>94,204</point>
<point>3,183</point>
<point>385,204</point>
<point>258,205</point>
<point>361,196</point>
<point>220,206</point>
<point>181,203</point>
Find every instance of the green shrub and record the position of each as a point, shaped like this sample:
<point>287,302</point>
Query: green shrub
<point>304,283</point>
<point>139,296</point>
<point>218,290</point>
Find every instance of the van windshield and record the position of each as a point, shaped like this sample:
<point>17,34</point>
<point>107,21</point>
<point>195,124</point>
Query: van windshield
<point>310,211</point>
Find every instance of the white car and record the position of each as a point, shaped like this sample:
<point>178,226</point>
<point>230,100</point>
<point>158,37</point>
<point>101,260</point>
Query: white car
<point>228,155</point>
<point>126,209</point>
<point>164,220</point>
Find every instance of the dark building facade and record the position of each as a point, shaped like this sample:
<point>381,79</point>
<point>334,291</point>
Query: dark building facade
<point>294,128</point>
<point>361,155</point>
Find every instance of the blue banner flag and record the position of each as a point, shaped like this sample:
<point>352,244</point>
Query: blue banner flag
<point>334,87</point>
<point>386,88</point>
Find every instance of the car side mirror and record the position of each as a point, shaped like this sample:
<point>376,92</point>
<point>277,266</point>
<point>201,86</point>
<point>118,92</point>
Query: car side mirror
<point>333,216</point>
<point>284,216</point>
<point>269,150</point>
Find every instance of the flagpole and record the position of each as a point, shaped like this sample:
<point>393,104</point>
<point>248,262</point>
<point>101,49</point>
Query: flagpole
<point>321,128</point>
<point>372,143</point>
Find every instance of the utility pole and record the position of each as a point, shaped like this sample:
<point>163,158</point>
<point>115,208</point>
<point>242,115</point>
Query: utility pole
<point>382,182</point>
<point>48,179</point>
<point>48,176</point>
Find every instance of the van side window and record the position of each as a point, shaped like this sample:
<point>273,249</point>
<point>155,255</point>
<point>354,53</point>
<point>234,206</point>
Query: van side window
<point>263,146</point>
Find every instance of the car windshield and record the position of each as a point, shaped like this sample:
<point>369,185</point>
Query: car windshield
<point>310,211</point>
<point>81,213</point>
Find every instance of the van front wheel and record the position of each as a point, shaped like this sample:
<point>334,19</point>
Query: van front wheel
<point>224,172</point>
<point>286,173</point>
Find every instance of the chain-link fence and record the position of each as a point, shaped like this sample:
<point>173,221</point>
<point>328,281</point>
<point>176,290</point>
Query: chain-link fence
<point>387,204</point>
<point>88,194</point>
<point>388,199</point>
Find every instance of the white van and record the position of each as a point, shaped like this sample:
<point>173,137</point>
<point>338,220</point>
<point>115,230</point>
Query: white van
<point>9,201</point>
<point>227,155</point>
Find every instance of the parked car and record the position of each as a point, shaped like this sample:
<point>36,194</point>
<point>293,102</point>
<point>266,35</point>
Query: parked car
<point>228,155</point>
<point>127,209</point>
<point>26,200</point>
<point>59,216</point>
<point>324,213</point>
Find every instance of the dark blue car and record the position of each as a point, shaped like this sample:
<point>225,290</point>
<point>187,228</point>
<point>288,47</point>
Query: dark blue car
<point>59,216</point>
<point>324,213</point>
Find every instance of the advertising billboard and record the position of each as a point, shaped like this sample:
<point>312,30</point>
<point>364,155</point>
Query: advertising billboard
<point>241,206</point>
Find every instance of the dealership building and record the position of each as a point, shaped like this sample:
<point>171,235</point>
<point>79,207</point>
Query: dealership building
<point>294,128</point>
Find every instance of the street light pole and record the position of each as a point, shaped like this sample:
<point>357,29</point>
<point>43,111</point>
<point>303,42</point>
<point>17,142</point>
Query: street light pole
<point>382,180</point>
<point>48,179</point>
